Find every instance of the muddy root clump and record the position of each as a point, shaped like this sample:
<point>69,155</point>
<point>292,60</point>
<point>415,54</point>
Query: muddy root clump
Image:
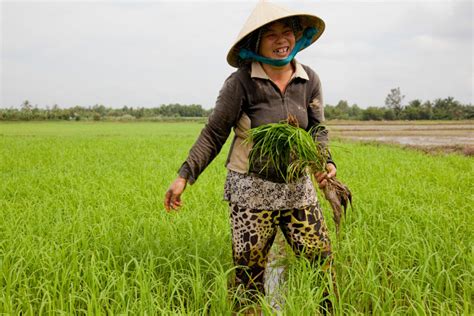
<point>339,197</point>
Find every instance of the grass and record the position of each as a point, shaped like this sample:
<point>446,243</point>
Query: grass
<point>83,229</point>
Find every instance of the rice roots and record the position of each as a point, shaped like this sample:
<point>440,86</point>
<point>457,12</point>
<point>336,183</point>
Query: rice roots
<point>339,197</point>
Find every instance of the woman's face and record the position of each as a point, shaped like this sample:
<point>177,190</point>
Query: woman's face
<point>277,41</point>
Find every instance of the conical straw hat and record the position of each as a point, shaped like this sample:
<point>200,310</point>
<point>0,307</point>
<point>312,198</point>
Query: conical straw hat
<point>265,13</point>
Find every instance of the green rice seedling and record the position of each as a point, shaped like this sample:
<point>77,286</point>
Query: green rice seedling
<point>288,149</point>
<point>83,230</point>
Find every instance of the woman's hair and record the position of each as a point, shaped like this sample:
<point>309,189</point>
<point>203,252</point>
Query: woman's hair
<point>252,41</point>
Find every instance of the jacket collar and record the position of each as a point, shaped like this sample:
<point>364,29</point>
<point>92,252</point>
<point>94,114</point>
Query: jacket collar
<point>258,72</point>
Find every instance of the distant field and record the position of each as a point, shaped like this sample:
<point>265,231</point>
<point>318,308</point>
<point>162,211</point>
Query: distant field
<point>448,136</point>
<point>83,230</point>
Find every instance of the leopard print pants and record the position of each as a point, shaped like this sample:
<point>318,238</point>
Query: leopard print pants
<point>253,232</point>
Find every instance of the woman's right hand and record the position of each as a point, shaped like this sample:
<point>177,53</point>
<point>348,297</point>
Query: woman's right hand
<point>323,177</point>
<point>173,195</point>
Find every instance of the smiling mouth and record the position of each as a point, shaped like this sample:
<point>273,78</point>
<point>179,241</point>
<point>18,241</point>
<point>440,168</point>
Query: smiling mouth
<point>281,50</point>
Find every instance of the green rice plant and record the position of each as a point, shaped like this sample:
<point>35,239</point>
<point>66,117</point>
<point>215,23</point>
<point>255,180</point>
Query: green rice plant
<point>83,230</point>
<point>291,151</point>
<point>288,149</point>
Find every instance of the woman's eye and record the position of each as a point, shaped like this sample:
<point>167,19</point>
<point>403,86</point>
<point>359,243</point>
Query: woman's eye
<point>288,33</point>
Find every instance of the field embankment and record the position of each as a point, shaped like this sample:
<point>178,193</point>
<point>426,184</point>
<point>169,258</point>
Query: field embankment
<point>83,230</point>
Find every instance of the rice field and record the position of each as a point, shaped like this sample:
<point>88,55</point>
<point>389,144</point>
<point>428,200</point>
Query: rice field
<point>83,229</point>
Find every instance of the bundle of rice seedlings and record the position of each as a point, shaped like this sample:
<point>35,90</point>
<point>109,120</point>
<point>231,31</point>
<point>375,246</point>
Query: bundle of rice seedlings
<point>291,151</point>
<point>288,149</point>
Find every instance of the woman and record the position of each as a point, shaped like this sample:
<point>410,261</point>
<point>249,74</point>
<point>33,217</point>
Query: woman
<point>268,87</point>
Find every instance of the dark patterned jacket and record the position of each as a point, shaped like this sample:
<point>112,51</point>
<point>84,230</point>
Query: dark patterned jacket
<point>249,98</point>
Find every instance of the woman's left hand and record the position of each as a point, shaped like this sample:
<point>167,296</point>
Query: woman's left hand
<point>322,177</point>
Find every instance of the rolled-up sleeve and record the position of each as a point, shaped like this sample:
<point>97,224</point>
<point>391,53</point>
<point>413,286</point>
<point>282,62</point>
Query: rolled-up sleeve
<point>216,131</point>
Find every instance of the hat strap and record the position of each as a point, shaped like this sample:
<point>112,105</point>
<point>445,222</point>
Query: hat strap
<point>302,43</point>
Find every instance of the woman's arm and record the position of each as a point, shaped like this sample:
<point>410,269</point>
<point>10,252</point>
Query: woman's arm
<point>210,141</point>
<point>216,131</point>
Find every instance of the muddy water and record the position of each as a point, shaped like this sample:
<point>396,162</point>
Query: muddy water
<point>274,282</point>
<point>419,140</point>
<point>275,273</point>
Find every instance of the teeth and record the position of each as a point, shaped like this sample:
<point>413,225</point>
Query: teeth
<point>281,50</point>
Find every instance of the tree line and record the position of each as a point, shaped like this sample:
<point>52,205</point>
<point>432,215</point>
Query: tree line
<point>394,109</point>
<point>28,112</point>
<point>439,109</point>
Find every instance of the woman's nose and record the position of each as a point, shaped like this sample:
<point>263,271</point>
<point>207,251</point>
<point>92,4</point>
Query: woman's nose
<point>280,38</point>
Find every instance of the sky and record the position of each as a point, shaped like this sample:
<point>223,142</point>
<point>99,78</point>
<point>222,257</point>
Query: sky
<point>148,53</point>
